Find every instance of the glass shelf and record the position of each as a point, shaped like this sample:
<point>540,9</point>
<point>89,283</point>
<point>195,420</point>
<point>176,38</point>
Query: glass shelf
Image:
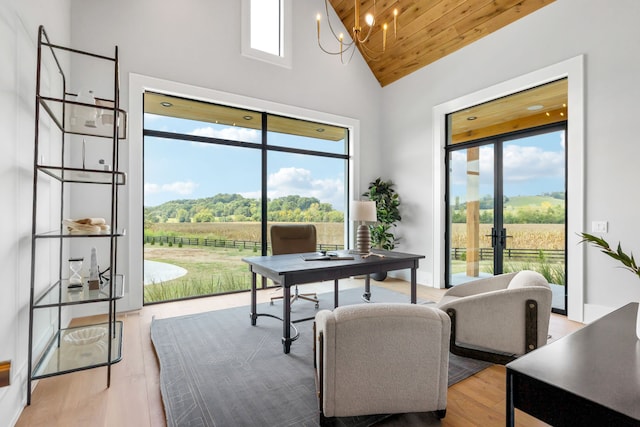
<point>85,119</point>
<point>79,348</point>
<point>85,176</point>
<point>58,233</point>
<point>60,294</point>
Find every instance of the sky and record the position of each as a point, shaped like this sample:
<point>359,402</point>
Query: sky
<point>188,170</point>
<point>175,169</point>
<point>532,166</point>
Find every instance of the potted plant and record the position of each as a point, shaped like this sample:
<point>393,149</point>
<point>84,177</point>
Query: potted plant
<point>628,261</point>
<point>387,204</point>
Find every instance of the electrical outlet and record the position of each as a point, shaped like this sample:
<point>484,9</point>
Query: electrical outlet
<point>5,373</point>
<point>599,227</point>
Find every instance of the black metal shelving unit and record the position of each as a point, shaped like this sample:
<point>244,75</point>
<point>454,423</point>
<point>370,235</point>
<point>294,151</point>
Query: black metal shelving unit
<point>78,348</point>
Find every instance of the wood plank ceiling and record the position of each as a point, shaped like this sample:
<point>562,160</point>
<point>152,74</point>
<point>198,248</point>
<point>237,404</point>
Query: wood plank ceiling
<point>531,108</point>
<point>428,30</point>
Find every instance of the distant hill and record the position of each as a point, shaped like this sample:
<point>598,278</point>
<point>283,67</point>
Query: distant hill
<point>235,207</point>
<point>541,209</point>
<point>520,201</point>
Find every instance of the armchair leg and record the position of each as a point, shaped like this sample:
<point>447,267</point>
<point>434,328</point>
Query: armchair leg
<point>531,325</point>
<point>327,421</point>
<point>441,413</point>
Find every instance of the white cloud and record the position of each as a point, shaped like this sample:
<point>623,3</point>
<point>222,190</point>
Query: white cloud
<point>527,170</point>
<point>299,181</point>
<point>230,133</point>
<point>179,187</point>
<point>523,163</point>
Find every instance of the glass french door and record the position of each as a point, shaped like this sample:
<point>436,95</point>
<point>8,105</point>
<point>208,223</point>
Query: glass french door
<point>506,199</point>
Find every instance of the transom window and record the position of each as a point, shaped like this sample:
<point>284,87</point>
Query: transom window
<point>266,25</point>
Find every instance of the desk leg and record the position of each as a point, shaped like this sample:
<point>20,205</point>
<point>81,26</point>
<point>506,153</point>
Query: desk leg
<point>335,293</point>
<point>254,315</point>
<point>414,284</point>
<point>510,410</point>
<point>367,288</point>
<point>286,319</point>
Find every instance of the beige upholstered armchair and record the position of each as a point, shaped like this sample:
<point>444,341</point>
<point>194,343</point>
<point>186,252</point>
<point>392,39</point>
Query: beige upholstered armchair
<point>499,318</point>
<point>381,359</point>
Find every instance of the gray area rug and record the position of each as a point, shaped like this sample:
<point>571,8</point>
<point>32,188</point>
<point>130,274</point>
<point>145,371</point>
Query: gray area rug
<point>218,370</point>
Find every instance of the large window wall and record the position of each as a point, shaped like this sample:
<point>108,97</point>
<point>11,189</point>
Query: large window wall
<point>216,177</point>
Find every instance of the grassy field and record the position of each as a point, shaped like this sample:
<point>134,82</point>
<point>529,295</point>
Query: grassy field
<point>212,270</point>
<point>209,271</point>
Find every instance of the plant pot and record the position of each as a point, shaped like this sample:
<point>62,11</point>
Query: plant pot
<point>379,277</point>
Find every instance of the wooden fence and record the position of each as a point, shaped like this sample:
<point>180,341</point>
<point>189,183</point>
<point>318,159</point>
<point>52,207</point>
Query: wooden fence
<point>514,254</point>
<point>221,243</point>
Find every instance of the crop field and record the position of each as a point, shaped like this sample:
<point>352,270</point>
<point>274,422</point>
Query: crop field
<point>328,232</point>
<point>524,236</point>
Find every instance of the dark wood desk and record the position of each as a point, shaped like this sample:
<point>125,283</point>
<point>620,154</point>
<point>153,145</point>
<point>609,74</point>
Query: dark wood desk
<point>588,378</point>
<point>290,270</point>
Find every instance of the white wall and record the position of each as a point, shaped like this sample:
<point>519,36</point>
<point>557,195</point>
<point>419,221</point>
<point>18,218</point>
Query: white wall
<point>198,44</point>
<point>562,30</point>
<point>19,21</point>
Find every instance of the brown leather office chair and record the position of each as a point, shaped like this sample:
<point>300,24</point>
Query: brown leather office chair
<point>293,239</point>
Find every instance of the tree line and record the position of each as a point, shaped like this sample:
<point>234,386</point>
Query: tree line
<point>545,213</point>
<point>237,208</point>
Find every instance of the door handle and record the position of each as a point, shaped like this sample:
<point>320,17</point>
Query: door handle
<point>494,237</point>
<point>503,238</point>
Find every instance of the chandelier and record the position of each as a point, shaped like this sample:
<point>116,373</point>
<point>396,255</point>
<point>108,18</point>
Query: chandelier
<point>359,37</point>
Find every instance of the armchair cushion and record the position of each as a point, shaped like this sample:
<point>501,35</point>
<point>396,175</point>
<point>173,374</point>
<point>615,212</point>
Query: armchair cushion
<point>382,358</point>
<point>527,278</point>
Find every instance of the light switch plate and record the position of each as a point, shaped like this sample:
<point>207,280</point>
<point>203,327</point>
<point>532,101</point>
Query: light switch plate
<point>599,227</point>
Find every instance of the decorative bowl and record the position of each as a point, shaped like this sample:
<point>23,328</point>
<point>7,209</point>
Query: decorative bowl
<point>85,336</point>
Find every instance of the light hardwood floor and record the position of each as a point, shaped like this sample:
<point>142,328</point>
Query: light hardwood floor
<point>82,399</point>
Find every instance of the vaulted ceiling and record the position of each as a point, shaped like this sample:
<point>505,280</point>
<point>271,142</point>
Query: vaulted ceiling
<point>428,30</point>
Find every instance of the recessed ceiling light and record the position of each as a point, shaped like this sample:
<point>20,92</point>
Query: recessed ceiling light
<point>471,118</point>
<point>166,104</point>
<point>320,130</point>
<point>535,107</point>
<point>247,117</point>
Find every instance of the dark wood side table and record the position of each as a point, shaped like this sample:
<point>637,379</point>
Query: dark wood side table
<point>588,378</point>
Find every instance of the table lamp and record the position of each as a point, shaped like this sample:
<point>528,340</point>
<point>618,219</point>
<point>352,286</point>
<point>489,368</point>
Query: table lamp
<point>363,212</point>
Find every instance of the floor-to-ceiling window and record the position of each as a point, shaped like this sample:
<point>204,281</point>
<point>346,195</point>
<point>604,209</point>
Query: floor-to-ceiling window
<point>215,178</point>
<point>506,192</point>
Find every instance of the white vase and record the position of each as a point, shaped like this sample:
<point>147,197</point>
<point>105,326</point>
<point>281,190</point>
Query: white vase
<point>638,323</point>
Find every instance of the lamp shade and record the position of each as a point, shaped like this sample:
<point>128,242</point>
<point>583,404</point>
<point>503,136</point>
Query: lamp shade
<point>363,211</point>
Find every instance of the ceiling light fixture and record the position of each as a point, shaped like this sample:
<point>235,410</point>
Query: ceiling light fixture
<point>166,104</point>
<point>535,107</point>
<point>471,118</point>
<point>358,37</point>
<point>247,117</point>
